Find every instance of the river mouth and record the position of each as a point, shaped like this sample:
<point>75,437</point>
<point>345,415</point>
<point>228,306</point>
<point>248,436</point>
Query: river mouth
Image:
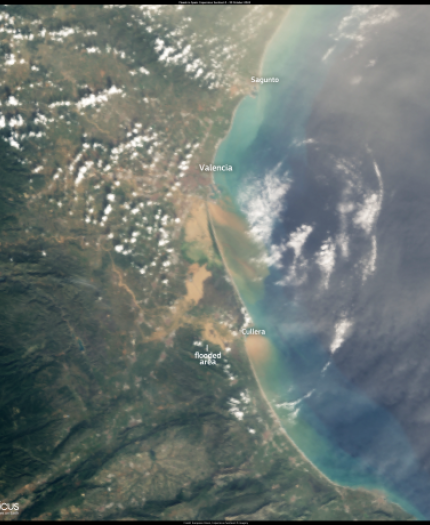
<point>243,257</point>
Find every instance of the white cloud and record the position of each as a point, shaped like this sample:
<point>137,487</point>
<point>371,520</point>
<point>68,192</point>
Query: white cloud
<point>12,101</point>
<point>298,143</point>
<point>325,259</point>
<point>369,211</point>
<point>262,203</point>
<point>296,241</point>
<point>107,210</point>
<point>360,207</point>
<point>103,96</point>
<point>10,60</point>
<point>16,122</point>
<point>342,240</point>
<point>13,142</point>
<point>293,407</point>
<point>326,55</point>
<point>370,263</point>
<point>341,331</point>
<point>358,25</point>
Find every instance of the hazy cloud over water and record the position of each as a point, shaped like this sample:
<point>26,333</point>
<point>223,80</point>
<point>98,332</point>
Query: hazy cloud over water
<point>367,203</point>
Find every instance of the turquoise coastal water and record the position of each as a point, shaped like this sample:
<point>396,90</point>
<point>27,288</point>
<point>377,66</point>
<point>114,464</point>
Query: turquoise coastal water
<point>345,434</point>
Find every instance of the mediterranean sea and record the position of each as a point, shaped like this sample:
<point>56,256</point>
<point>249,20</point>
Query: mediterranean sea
<point>313,180</point>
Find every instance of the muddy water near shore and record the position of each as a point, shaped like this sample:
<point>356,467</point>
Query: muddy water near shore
<point>348,436</point>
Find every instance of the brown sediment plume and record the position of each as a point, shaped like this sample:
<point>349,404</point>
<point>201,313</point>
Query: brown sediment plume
<point>239,267</point>
<point>258,349</point>
<point>226,218</point>
<point>243,256</point>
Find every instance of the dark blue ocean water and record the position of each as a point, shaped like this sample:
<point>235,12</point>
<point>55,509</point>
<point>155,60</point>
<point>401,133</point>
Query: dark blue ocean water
<point>330,170</point>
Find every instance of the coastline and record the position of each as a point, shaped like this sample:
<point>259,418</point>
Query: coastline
<point>221,251</point>
<point>340,488</point>
<point>282,429</point>
<point>223,257</point>
<point>263,394</point>
<point>260,72</point>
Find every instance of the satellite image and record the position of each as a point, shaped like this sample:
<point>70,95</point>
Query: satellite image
<point>214,262</point>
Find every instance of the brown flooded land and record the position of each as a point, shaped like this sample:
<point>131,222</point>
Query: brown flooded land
<point>195,279</point>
